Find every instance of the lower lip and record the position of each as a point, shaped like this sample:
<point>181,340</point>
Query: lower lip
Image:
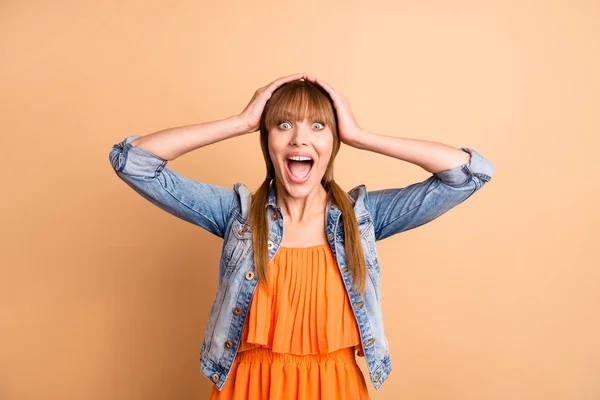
<point>296,180</point>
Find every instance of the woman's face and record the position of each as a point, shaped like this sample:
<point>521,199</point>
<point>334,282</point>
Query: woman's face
<point>310,138</point>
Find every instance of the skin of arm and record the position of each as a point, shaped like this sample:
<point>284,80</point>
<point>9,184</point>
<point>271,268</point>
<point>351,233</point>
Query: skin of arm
<point>175,142</point>
<point>172,143</point>
<point>431,156</point>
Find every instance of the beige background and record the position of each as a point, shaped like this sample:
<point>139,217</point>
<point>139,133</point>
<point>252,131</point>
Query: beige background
<point>105,296</point>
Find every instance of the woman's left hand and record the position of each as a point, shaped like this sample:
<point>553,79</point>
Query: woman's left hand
<point>348,128</point>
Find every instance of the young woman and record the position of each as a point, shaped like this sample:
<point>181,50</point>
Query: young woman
<point>292,309</point>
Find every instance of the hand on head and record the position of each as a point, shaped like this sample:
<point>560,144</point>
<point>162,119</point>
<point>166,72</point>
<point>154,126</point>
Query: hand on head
<point>253,111</point>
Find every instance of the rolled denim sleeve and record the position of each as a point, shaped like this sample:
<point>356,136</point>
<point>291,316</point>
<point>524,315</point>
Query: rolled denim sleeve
<point>398,210</point>
<point>199,203</point>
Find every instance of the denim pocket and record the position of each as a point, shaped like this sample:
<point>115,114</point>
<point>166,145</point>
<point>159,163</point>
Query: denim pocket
<point>238,245</point>
<point>365,225</point>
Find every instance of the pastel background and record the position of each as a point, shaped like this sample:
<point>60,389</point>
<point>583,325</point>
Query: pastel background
<point>105,296</point>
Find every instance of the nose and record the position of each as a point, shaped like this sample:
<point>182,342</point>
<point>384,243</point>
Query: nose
<point>300,135</point>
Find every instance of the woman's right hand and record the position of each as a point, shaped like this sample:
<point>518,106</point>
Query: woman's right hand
<point>253,111</point>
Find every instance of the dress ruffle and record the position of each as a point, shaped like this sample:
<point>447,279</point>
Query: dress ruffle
<point>300,336</point>
<point>306,311</point>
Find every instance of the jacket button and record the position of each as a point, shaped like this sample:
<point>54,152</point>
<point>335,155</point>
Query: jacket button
<point>215,378</point>
<point>229,344</point>
<point>270,244</point>
<point>368,342</point>
<point>275,215</point>
<point>237,311</point>
<point>249,275</point>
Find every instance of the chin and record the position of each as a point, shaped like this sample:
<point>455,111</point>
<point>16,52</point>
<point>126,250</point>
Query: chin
<point>300,189</point>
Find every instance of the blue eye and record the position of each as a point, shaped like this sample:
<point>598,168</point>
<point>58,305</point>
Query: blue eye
<point>285,122</point>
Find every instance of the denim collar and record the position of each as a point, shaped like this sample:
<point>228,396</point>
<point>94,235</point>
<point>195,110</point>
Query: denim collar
<point>271,199</point>
<point>355,194</point>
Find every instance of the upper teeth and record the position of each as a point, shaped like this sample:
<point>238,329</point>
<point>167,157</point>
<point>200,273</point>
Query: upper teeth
<point>299,158</point>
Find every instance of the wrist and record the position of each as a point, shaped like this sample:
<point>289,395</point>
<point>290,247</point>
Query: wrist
<point>362,139</point>
<point>239,125</point>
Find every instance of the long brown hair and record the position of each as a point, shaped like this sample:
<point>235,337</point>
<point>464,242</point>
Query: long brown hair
<point>297,100</point>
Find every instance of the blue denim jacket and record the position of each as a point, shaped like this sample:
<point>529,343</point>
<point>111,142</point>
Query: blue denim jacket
<point>225,213</point>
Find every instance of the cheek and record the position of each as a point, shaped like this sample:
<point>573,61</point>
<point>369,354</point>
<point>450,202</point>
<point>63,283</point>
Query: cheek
<point>276,142</point>
<point>324,147</point>
<point>272,155</point>
<point>273,149</point>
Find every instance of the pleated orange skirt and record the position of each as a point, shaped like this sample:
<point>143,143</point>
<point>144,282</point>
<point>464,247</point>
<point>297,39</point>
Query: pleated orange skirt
<point>260,373</point>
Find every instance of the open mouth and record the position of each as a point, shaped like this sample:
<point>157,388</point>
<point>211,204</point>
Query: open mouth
<point>299,168</point>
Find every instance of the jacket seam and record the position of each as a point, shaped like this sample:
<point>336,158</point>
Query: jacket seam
<point>231,207</point>
<point>429,189</point>
<point>189,207</point>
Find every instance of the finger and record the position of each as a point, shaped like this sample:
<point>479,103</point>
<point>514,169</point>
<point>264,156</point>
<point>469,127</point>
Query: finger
<point>325,84</point>
<point>278,82</point>
<point>327,87</point>
<point>289,78</point>
<point>338,96</point>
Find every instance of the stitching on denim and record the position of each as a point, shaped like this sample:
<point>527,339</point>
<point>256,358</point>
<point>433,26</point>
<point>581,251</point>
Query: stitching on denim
<point>429,189</point>
<point>221,234</point>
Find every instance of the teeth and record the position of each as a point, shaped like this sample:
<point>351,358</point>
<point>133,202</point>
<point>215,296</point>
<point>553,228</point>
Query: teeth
<point>299,158</point>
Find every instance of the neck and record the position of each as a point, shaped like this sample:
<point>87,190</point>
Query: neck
<point>298,210</point>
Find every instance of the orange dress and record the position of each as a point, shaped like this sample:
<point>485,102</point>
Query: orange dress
<point>300,335</point>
